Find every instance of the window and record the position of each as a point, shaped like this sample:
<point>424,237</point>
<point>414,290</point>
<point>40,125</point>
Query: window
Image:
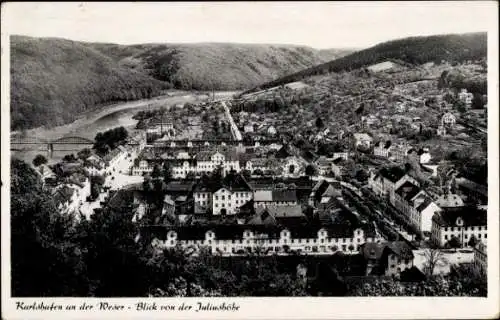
<point>446,229</point>
<point>393,266</point>
<point>322,240</point>
<point>216,205</point>
<point>229,197</point>
<point>223,197</point>
<point>344,247</point>
<point>236,201</point>
<point>216,197</point>
<point>479,236</point>
<point>445,237</point>
<point>485,235</point>
<point>209,241</point>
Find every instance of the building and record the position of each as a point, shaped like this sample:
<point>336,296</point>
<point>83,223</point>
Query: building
<point>382,149</point>
<point>233,240</point>
<point>481,257</point>
<point>363,140</point>
<point>416,205</point>
<point>324,165</point>
<point>248,128</point>
<point>114,156</point>
<point>389,258</point>
<point>271,131</point>
<point>450,200</point>
<point>465,97</point>
<point>448,120</point>
<point>339,167</point>
<point>223,197</point>
<point>266,198</point>
<point>400,152</point>
<point>461,223</point>
<point>425,156</point>
<point>182,164</point>
<point>385,181</point>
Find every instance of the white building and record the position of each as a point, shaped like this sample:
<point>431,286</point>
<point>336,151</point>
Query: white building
<point>460,223</point>
<point>223,197</point>
<point>362,139</point>
<point>382,149</point>
<point>265,198</point>
<point>448,119</point>
<point>239,239</point>
<point>416,205</point>
<point>465,97</point>
<point>205,162</point>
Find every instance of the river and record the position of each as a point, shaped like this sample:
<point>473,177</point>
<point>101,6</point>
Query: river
<point>89,124</point>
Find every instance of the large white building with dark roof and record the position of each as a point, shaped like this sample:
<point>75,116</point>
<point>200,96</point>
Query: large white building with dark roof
<point>461,223</point>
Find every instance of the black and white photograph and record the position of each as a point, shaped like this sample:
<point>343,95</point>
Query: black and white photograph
<point>253,149</point>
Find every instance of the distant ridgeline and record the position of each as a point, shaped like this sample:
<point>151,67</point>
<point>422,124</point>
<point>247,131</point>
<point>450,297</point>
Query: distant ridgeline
<point>53,81</point>
<point>409,51</point>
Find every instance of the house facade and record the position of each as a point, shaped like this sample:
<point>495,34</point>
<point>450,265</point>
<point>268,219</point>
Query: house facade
<point>461,223</point>
<point>234,240</point>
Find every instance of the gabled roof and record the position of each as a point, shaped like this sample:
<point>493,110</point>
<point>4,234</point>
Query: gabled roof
<point>284,195</point>
<point>425,204</point>
<point>401,249</point>
<point>471,216</point>
<point>393,174</point>
<point>289,211</point>
<point>408,190</point>
<point>263,196</point>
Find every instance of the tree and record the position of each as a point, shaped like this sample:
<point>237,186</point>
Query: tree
<point>84,153</point>
<point>69,158</point>
<point>472,241</point>
<point>167,172</point>
<point>454,243</point>
<point>432,258</point>
<point>39,160</point>
<point>319,123</point>
<point>157,172</point>
<point>310,170</point>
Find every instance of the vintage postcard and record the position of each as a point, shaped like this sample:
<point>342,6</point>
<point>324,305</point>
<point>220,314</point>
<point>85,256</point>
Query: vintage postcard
<point>250,160</point>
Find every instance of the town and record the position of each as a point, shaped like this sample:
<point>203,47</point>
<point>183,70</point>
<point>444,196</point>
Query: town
<point>396,176</point>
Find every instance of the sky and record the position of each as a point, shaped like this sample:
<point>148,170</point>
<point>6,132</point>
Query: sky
<point>314,24</point>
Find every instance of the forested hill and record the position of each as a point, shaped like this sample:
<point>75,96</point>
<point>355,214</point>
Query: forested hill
<point>413,50</point>
<point>54,80</point>
<point>219,66</point>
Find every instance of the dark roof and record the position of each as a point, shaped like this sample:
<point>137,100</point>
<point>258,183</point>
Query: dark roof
<point>235,231</point>
<point>372,250</point>
<point>393,174</point>
<point>180,186</point>
<point>401,249</point>
<point>425,204</point>
<point>408,190</point>
<point>284,195</point>
<point>471,216</point>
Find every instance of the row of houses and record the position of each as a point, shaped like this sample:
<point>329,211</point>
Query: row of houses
<point>230,240</point>
<point>444,217</point>
<point>206,162</point>
<point>401,152</point>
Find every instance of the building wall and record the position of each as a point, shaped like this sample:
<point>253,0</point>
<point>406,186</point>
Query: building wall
<point>321,245</point>
<point>231,201</point>
<point>440,235</point>
<point>396,265</point>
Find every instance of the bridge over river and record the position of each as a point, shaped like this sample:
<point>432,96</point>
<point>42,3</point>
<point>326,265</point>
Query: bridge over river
<point>66,144</point>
